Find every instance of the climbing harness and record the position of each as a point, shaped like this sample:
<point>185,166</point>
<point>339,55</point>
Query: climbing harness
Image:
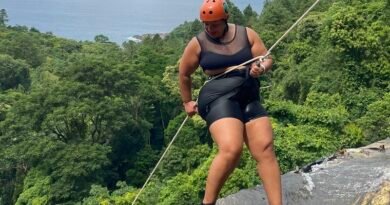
<point>241,66</point>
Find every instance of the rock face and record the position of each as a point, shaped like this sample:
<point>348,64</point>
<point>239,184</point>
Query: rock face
<point>351,177</point>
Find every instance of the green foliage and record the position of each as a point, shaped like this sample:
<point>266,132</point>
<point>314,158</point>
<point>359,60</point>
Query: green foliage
<point>186,31</point>
<point>37,189</point>
<point>192,132</point>
<point>99,195</point>
<point>235,15</point>
<point>82,95</point>
<point>376,122</point>
<point>7,99</point>
<point>179,160</point>
<point>323,110</point>
<point>101,39</point>
<point>357,101</point>
<point>188,152</point>
<point>130,49</point>
<point>144,162</point>
<point>184,188</point>
<point>250,16</point>
<point>352,136</point>
<point>150,61</point>
<point>13,73</point>
<point>21,45</point>
<point>284,111</point>
<point>301,144</point>
<point>64,171</point>
<point>360,31</point>
<point>171,81</point>
<point>179,190</point>
<point>319,109</point>
<point>3,17</point>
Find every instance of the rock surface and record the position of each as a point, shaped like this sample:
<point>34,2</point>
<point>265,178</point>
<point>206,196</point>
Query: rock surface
<point>350,177</point>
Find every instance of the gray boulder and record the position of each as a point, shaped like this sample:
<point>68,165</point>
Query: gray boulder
<point>349,177</point>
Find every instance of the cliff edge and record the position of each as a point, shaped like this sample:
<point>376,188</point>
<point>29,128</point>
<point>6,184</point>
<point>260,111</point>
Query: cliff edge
<point>358,176</point>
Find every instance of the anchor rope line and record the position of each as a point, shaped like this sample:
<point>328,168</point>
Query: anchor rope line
<point>161,158</point>
<point>230,69</point>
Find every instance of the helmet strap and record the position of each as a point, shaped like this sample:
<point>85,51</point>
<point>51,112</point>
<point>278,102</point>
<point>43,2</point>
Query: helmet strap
<point>226,28</point>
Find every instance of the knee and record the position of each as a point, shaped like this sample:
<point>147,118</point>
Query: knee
<point>231,153</point>
<point>264,153</point>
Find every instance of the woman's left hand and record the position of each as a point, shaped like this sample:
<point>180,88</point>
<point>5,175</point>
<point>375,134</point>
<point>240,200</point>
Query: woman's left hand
<point>256,69</point>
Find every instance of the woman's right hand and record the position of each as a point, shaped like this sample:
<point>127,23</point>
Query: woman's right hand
<point>191,108</point>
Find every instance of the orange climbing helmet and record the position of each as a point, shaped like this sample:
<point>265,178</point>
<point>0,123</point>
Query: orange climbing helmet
<point>213,10</point>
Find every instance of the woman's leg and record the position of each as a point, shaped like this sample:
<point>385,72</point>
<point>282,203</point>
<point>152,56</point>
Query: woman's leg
<point>259,139</point>
<point>228,135</point>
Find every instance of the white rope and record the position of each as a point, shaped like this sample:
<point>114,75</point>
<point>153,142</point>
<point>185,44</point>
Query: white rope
<point>288,31</point>
<point>241,66</point>
<point>159,161</point>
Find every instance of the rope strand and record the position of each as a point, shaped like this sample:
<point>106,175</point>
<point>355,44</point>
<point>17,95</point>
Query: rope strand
<point>159,161</point>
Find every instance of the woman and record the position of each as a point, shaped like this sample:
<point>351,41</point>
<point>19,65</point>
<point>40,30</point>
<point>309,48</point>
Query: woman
<point>230,103</point>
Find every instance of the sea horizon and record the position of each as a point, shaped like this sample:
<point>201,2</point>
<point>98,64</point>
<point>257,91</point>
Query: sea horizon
<point>117,19</point>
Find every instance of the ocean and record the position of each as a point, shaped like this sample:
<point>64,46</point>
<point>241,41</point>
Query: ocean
<point>116,19</point>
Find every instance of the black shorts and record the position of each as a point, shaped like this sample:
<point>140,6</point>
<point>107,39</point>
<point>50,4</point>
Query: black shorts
<point>235,95</point>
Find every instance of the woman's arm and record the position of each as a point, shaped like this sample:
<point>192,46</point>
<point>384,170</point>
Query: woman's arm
<point>189,62</point>
<point>258,49</point>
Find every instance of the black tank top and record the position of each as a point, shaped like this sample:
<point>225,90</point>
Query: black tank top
<point>216,55</point>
